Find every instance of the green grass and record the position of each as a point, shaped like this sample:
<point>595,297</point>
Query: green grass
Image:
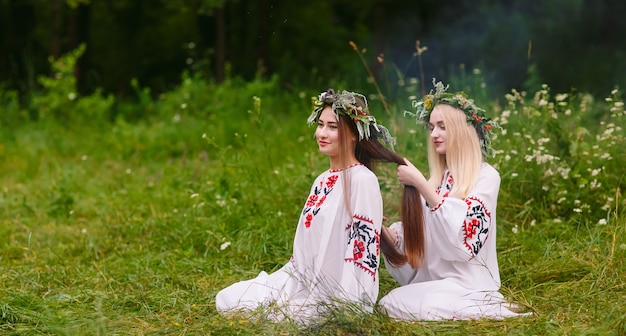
<point>132,227</point>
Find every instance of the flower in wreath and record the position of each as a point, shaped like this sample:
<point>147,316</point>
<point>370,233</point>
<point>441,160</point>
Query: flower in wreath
<point>475,115</point>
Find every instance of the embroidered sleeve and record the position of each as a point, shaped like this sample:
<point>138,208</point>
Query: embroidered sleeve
<point>476,225</point>
<point>460,227</point>
<point>363,244</point>
<point>361,239</point>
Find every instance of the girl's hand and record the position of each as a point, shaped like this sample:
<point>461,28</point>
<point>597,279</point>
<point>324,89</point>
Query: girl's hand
<point>409,175</point>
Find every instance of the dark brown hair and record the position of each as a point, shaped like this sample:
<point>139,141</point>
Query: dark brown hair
<point>368,151</point>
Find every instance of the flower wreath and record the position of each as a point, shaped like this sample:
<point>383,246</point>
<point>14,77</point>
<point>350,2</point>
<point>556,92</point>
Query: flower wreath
<point>346,104</point>
<point>474,114</point>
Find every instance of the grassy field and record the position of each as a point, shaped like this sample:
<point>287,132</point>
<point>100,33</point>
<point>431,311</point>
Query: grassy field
<point>131,226</point>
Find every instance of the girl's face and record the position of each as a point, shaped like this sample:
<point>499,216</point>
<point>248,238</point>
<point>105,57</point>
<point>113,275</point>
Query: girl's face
<point>327,133</point>
<point>437,131</point>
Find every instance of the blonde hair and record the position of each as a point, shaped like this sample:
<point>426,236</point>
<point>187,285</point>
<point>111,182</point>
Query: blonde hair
<point>463,152</point>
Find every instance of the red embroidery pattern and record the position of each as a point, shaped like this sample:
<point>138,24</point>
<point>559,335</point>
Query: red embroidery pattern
<point>477,220</point>
<point>364,243</point>
<point>308,219</point>
<point>332,179</point>
<point>446,185</point>
<point>317,198</point>
<point>476,225</point>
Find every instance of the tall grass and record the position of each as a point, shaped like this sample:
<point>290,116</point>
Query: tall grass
<point>129,225</point>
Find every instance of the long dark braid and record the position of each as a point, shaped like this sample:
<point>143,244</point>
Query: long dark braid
<point>369,151</point>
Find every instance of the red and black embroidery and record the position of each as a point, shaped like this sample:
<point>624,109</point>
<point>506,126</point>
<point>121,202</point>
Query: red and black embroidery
<point>443,189</point>
<point>363,244</point>
<point>317,198</point>
<point>476,225</point>
<point>477,221</point>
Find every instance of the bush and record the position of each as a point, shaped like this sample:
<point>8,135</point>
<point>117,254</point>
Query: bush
<point>561,156</point>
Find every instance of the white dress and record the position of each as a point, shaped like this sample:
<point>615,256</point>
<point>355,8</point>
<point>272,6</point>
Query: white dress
<point>459,278</point>
<point>336,254</point>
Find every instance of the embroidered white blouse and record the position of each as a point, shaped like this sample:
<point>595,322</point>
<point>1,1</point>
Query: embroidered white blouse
<point>459,278</point>
<point>336,253</point>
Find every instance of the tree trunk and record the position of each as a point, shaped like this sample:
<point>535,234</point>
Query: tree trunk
<point>56,8</point>
<point>261,48</point>
<point>380,29</point>
<point>220,45</point>
<point>78,34</point>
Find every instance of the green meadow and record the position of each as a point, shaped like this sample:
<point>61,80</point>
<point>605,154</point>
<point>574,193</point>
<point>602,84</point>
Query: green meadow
<point>127,218</point>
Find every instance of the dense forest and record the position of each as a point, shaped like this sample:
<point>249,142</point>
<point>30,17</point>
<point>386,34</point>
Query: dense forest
<point>571,44</point>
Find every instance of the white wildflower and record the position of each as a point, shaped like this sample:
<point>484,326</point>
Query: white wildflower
<point>605,156</point>
<point>595,184</point>
<point>541,141</point>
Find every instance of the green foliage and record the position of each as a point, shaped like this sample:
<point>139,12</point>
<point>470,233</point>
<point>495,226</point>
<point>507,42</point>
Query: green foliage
<point>562,154</point>
<point>59,98</point>
<point>11,113</point>
<point>305,41</point>
<point>131,226</point>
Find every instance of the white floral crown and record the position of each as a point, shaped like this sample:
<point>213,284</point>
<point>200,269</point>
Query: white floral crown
<point>346,104</point>
<point>474,114</point>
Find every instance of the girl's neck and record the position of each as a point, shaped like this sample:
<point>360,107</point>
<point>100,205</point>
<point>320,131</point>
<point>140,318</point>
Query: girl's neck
<point>344,168</point>
<point>337,165</point>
